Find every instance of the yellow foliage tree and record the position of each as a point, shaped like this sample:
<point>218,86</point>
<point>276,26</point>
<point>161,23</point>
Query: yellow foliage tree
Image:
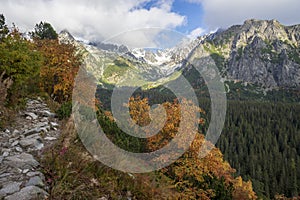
<point>59,70</point>
<point>195,178</point>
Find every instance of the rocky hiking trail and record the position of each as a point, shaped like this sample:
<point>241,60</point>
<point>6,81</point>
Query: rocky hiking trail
<point>21,146</point>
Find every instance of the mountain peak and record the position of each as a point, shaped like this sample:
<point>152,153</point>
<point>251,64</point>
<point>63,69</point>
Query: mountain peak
<point>259,21</point>
<point>262,26</point>
<point>65,37</point>
<point>252,28</point>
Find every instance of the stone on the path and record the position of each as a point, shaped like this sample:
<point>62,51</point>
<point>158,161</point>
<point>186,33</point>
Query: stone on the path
<point>47,113</point>
<point>54,124</point>
<point>45,129</point>
<point>30,192</point>
<point>19,149</point>
<point>50,138</point>
<point>39,145</point>
<point>37,130</point>
<point>35,181</point>
<point>32,115</point>
<point>41,124</point>
<point>34,136</point>
<point>44,119</point>
<point>10,188</point>
<point>22,161</point>
<point>11,140</point>
<point>31,131</point>
<point>4,175</point>
<point>30,174</point>
<point>35,142</point>
<point>5,154</point>
<point>5,145</point>
<point>26,142</point>
<point>15,143</point>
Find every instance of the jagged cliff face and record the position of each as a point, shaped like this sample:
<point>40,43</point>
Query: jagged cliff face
<point>261,52</point>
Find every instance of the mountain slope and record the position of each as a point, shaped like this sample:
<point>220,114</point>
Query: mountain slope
<point>260,52</point>
<point>117,65</point>
<point>256,58</point>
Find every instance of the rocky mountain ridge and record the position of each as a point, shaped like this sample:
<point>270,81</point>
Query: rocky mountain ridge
<point>111,66</point>
<point>262,52</point>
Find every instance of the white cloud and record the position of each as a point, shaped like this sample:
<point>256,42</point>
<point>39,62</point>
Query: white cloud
<point>93,19</point>
<point>196,32</point>
<point>101,19</point>
<point>223,13</point>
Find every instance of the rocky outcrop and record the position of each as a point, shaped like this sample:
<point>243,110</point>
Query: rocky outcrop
<point>263,52</point>
<point>21,145</point>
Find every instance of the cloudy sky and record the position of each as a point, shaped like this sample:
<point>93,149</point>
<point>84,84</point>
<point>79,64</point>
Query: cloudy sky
<point>103,19</point>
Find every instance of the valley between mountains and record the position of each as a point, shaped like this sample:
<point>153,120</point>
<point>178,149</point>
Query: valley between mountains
<point>256,157</point>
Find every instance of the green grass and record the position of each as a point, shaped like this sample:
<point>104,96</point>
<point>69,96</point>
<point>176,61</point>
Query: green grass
<point>114,70</point>
<point>216,55</point>
<point>118,66</point>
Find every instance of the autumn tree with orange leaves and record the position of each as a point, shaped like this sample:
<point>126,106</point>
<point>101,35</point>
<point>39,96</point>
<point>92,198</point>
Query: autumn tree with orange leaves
<point>195,178</point>
<point>59,69</point>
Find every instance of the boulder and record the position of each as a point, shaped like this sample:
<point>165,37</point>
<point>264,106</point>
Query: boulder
<point>29,192</point>
<point>22,161</point>
<point>10,188</point>
<point>35,181</point>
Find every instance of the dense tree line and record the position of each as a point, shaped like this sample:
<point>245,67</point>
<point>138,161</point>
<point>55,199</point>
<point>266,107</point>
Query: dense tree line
<point>261,141</point>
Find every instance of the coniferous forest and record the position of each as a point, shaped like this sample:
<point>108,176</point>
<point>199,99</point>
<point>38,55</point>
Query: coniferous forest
<point>261,141</point>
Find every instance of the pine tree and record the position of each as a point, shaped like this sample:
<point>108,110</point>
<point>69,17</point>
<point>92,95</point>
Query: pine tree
<point>44,30</point>
<point>3,27</point>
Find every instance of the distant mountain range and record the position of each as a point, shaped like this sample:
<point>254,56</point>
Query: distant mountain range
<point>260,52</point>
